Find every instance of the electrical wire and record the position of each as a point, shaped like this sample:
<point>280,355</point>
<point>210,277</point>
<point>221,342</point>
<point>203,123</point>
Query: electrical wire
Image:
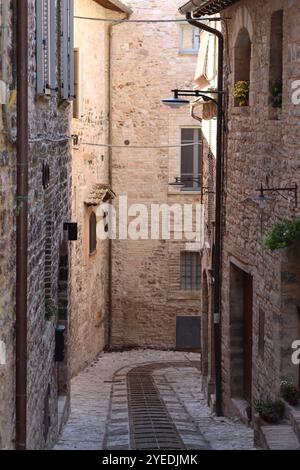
<point>111,20</point>
<point>34,140</point>
<point>66,138</point>
<point>137,146</point>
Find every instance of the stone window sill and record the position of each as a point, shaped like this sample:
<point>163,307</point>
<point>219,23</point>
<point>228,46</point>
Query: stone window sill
<point>241,111</point>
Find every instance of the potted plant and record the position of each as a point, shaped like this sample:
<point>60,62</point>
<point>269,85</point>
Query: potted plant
<point>241,92</point>
<point>289,392</point>
<point>283,234</point>
<point>270,411</point>
<point>276,95</point>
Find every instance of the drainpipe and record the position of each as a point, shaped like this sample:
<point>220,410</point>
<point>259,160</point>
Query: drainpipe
<point>218,216</point>
<point>21,223</point>
<point>110,313</point>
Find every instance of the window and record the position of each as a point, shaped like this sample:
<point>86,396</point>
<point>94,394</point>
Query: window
<point>189,42</point>
<point>242,58</point>
<point>191,159</point>
<point>276,59</point>
<point>48,49</point>
<point>77,103</point>
<point>190,270</point>
<point>93,234</point>
<point>261,333</point>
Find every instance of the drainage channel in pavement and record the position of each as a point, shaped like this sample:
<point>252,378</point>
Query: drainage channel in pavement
<point>151,426</point>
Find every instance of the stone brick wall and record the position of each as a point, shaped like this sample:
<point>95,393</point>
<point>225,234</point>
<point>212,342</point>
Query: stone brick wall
<point>51,117</point>
<point>262,149</point>
<point>146,66</point>
<point>7,233</point>
<point>90,165</point>
<point>48,210</point>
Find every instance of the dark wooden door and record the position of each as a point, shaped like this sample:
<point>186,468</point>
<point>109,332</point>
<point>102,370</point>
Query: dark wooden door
<point>248,331</point>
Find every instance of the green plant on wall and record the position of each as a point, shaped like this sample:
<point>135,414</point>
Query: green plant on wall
<point>50,309</point>
<point>283,234</point>
<point>241,92</point>
<point>276,95</point>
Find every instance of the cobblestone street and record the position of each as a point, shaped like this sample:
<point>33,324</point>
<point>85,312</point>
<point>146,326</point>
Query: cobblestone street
<point>147,400</point>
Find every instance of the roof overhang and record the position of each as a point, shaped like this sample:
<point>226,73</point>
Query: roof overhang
<point>205,7</point>
<point>99,193</point>
<point>114,5</point>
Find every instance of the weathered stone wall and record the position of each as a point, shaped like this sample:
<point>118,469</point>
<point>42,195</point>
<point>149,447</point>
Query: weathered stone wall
<point>48,210</point>
<point>7,234</point>
<point>50,207</point>
<point>262,149</point>
<point>146,66</point>
<point>90,165</point>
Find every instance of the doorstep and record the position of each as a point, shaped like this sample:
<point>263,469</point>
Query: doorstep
<point>239,409</point>
<point>62,411</point>
<point>274,436</point>
<point>293,414</point>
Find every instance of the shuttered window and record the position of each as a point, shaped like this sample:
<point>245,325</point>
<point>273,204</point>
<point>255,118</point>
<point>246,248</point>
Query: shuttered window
<point>190,270</point>
<point>54,20</point>
<point>189,40</point>
<point>78,100</point>
<point>67,49</point>
<point>191,158</point>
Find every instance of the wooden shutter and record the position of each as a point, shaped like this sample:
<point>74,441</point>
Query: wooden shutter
<point>46,47</point>
<point>67,49</point>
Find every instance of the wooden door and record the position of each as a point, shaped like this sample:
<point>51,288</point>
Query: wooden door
<point>248,332</point>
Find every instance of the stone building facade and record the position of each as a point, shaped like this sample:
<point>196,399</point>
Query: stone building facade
<point>149,299</point>
<point>7,239</point>
<point>48,245</point>
<point>91,177</point>
<point>260,287</point>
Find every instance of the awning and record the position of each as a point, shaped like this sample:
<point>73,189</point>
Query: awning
<point>114,5</point>
<point>99,193</point>
<point>205,7</point>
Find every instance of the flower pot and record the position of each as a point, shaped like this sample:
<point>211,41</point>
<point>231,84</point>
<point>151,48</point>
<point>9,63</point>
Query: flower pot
<point>269,419</point>
<point>293,402</point>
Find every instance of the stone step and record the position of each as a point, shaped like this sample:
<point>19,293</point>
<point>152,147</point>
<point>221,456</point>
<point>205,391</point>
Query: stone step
<point>293,414</point>
<point>279,437</point>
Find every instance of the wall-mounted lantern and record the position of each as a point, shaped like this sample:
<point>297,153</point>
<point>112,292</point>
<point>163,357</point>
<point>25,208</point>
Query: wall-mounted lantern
<point>262,199</point>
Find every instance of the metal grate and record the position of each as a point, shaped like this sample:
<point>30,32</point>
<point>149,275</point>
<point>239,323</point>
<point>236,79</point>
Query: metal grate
<point>151,426</point>
<point>190,270</point>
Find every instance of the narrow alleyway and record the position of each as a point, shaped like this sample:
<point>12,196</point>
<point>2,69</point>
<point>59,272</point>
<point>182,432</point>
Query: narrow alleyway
<point>145,399</point>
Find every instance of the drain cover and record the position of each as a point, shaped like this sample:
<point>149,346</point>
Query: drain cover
<point>151,426</point>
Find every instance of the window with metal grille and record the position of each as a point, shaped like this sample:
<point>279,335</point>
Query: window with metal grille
<point>191,158</point>
<point>190,270</point>
<point>93,234</point>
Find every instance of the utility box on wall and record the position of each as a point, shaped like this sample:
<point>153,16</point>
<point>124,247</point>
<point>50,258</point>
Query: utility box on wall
<point>188,333</point>
<point>59,343</point>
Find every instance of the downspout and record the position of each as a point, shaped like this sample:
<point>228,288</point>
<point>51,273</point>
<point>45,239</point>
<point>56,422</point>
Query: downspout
<point>218,215</point>
<point>110,280</point>
<point>21,223</point>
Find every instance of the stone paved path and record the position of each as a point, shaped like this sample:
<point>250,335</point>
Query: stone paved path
<point>100,419</point>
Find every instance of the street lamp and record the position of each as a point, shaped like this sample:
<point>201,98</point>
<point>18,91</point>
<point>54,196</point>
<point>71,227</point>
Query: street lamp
<point>179,182</point>
<point>262,199</point>
<point>176,101</point>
